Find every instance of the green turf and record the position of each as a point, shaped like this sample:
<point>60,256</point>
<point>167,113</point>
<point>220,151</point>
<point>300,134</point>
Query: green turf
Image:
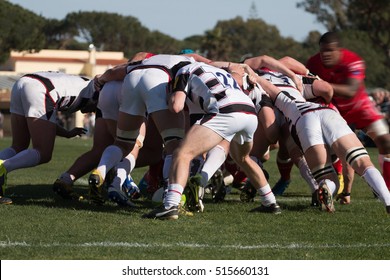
<point>40,225</point>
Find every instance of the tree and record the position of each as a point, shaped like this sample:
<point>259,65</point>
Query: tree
<point>373,18</point>
<point>61,34</point>
<point>114,32</point>
<point>370,17</point>
<point>158,42</point>
<point>253,14</point>
<point>331,13</point>
<point>20,30</point>
<point>233,39</point>
<point>108,31</point>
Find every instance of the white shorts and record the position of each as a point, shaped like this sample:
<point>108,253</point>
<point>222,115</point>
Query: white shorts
<point>321,127</point>
<point>144,91</point>
<point>239,127</point>
<point>110,99</point>
<point>29,99</point>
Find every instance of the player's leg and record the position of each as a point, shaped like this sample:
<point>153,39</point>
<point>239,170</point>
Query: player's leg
<point>319,161</point>
<point>193,144</point>
<point>240,154</point>
<point>350,148</point>
<point>20,142</point>
<point>379,132</point>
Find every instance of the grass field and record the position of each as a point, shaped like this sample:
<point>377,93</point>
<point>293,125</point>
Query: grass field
<point>40,225</point>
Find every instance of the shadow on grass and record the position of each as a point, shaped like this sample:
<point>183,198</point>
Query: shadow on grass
<point>293,205</point>
<point>44,196</point>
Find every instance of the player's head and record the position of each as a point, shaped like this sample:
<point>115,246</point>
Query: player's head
<point>329,49</point>
<point>329,37</point>
<point>239,74</point>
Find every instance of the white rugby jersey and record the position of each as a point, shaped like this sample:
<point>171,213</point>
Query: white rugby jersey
<point>212,89</point>
<point>292,104</point>
<point>166,62</point>
<point>277,78</point>
<point>256,95</point>
<point>69,92</point>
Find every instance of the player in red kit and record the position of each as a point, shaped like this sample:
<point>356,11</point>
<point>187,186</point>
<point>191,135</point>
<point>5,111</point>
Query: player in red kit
<point>345,71</point>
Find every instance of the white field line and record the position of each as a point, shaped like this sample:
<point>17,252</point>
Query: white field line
<point>294,246</point>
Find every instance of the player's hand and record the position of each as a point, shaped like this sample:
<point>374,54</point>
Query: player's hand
<point>344,199</point>
<point>77,131</point>
<point>98,83</point>
<point>298,83</point>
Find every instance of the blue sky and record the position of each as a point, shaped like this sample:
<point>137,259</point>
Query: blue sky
<point>181,19</point>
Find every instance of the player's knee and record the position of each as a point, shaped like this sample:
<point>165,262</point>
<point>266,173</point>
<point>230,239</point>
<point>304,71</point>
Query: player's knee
<point>45,157</point>
<point>355,155</point>
<point>172,134</point>
<point>127,136</point>
<point>183,155</point>
<point>383,143</point>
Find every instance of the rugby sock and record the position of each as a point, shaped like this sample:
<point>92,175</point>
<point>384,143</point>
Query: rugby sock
<point>386,171</point>
<point>173,195</point>
<point>239,177</point>
<point>306,174</point>
<point>338,166</point>
<point>7,153</point>
<point>215,158</point>
<point>24,159</point>
<point>124,167</point>
<point>284,166</point>
<point>196,165</point>
<point>267,197</point>
<point>375,180</point>
<point>154,176</point>
<point>167,166</point>
<point>257,160</point>
<point>380,160</point>
<point>111,156</point>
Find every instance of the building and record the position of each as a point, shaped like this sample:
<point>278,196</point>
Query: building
<point>78,62</point>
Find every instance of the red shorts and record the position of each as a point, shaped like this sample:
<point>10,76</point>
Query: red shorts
<point>362,115</point>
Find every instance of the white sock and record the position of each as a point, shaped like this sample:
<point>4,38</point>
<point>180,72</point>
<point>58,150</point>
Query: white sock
<point>112,155</point>
<point>267,197</point>
<point>24,159</point>
<point>306,174</point>
<point>375,180</point>
<point>123,168</point>
<point>173,195</point>
<point>215,158</point>
<point>7,153</point>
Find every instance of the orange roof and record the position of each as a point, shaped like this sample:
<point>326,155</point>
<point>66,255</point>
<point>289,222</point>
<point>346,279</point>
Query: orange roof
<point>70,60</point>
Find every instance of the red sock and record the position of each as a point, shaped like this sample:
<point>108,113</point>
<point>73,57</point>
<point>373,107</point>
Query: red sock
<point>386,171</point>
<point>231,166</point>
<point>239,177</point>
<point>284,167</point>
<point>154,176</point>
<point>338,166</point>
<point>234,170</point>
